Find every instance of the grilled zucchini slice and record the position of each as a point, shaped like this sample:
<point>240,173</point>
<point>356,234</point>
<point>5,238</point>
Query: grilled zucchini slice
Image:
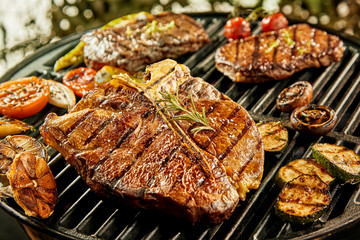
<point>274,135</point>
<point>339,161</point>
<point>302,166</point>
<point>303,200</point>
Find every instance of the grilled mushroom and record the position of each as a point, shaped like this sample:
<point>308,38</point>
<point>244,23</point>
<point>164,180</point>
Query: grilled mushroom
<point>296,95</point>
<point>33,185</point>
<point>313,119</point>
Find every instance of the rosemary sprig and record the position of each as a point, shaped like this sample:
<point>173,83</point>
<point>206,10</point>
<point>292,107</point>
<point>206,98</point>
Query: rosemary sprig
<point>172,104</point>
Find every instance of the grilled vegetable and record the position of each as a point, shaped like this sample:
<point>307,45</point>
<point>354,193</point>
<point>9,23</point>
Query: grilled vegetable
<point>5,189</point>
<point>274,135</point>
<point>9,126</point>
<point>33,185</point>
<point>105,74</point>
<point>296,95</point>
<point>339,161</point>
<point>80,80</point>
<point>303,200</point>
<point>23,97</point>
<point>236,28</point>
<point>12,145</point>
<point>76,55</point>
<point>313,119</point>
<point>274,22</point>
<point>301,166</point>
<point>61,95</point>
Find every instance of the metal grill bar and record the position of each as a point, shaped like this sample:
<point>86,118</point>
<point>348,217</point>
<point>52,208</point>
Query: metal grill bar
<point>348,98</point>
<point>340,82</point>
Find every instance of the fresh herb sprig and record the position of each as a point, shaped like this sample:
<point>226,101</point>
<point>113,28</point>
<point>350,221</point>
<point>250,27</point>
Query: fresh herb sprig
<point>172,104</point>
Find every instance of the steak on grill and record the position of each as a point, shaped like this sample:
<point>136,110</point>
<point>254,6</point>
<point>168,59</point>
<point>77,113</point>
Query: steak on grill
<point>144,41</point>
<point>278,54</point>
<point>122,144</point>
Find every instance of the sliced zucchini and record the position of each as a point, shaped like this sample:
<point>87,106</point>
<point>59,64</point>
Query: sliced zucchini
<point>339,161</point>
<point>302,166</point>
<point>274,135</point>
<point>303,200</point>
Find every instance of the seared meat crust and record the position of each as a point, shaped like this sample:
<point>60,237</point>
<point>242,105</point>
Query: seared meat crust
<point>277,55</point>
<point>122,145</point>
<point>139,43</point>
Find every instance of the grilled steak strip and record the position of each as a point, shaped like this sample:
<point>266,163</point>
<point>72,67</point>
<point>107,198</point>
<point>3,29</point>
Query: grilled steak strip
<point>278,54</point>
<point>122,145</point>
<point>235,142</point>
<point>142,161</point>
<point>139,43</point>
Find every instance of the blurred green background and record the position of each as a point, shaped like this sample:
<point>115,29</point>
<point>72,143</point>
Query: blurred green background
<point>26,25</point>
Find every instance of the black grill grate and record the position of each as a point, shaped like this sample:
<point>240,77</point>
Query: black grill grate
<point>80,214</point>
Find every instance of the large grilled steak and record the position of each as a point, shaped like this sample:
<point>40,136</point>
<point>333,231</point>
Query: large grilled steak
<point>144,41</point>
<point>278,54</point>
<point>123,144</point>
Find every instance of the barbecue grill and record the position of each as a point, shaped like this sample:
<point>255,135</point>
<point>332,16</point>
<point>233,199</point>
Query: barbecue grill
<point>81,214</point>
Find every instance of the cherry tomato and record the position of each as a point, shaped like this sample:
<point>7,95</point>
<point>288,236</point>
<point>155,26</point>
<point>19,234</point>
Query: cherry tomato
<point>274,22</point>
<point>23,97</point>
<point>236,28</point>
<point>80,80</point>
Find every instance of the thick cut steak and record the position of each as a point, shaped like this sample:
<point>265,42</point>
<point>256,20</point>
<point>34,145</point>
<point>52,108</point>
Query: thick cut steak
<point>144,41</point>
<point>278,54</point>
<point>122,144</point>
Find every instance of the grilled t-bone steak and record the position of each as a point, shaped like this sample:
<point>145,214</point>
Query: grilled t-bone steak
<point>278,54</point>
<point>144,41</point>
<point>122,143</point>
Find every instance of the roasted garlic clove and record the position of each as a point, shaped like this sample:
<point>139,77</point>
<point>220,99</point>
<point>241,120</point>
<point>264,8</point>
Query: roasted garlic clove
<point>12,145</point>
<point>33,185</point>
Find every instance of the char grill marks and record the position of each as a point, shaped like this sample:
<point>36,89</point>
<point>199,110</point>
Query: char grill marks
<point>132,47</point>
<point>319,193</point>
<point>235,140</point>
<point>122,153</point>
<point>278,54</point>
<point>121,144</point>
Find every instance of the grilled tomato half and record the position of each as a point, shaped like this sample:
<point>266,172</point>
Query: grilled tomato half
<point>80,80</point>
<point>23,97</point>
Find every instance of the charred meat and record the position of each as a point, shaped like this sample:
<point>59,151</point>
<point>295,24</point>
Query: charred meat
<point>122,143</point>
<point>144,41</point>
<point>278,54</point>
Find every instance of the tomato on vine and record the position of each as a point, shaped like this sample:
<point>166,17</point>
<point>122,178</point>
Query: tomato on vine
<point>236,28</point>
<point>274,22</point>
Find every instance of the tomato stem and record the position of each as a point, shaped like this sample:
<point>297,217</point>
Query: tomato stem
<point>258,12</point>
